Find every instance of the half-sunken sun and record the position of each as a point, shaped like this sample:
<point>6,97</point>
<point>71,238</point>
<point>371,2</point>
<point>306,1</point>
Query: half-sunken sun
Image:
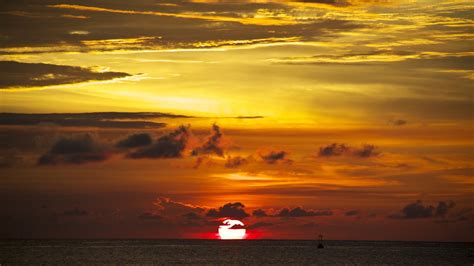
<point>231,229</point>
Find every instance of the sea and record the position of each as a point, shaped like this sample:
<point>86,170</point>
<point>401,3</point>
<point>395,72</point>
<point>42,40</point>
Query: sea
<point>232,252</point>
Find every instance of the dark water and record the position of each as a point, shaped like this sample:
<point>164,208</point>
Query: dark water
<point>216,252</point>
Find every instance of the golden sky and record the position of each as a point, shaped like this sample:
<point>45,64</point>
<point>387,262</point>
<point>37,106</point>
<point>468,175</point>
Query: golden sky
<point>343,117</point>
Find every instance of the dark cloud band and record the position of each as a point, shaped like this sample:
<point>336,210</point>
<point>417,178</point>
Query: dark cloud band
<point>102,119</point>
<point>24,75</point>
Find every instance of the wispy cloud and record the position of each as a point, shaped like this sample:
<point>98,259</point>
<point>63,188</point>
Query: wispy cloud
<point>251,20</point>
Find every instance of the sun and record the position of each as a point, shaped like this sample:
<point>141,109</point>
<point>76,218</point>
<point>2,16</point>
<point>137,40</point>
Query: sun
<point>231,229</point>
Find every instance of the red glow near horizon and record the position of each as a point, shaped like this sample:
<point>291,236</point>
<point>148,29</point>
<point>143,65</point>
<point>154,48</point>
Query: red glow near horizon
<point>249,234</point>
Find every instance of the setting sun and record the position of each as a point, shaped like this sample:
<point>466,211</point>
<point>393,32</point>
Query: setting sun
<point>232,229</point>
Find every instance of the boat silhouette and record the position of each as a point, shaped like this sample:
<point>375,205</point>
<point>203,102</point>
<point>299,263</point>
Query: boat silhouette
<point>320,244</point>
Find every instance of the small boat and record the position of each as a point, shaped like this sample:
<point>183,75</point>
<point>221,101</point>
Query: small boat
<point>320,244</point>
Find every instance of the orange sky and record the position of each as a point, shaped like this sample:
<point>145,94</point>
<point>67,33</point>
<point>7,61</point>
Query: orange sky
<point>348,118</point>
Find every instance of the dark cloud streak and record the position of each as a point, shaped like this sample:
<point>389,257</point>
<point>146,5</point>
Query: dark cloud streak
<point>300,212</point>
<point>99,119</point>
<point>273,157</point>
<point>23,75</point>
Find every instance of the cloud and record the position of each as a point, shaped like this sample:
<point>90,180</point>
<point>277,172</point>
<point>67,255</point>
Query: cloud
<point>74,212</point>
<point>173,212</point>
<point>378,56</point>
<point>366,151</point>
<point>169,207</point>
<point>258,225</point>
<point>99,119</point>
<point>443,208</point>
<point>465,211</point>
<point>398,122</point>
<point>192,216</point>
<point>213,144</point>
<point>259,213</point>
<point>249,117</point>
<point>273,157</point>
<point>339,149</point>
<point>85,148</point>
<point>300,212</point>
<point>135,140</point>
<point>199,161</point>
<point>230,210</point>
<point>147,25</point>
<point>171,145</point>
<point>16,74</point>
<point>150,216</point>
<point>334,149</point>
<point>269,1</point>
<point>235,161</point>
<point>76,150</point>
<point>371,215</point>
<point>352,213</point>
<point>417,210</point>
<point>195,16</point>
<point>464,215</point>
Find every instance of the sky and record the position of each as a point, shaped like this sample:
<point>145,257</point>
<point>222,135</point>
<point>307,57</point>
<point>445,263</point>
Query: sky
<point>158,119</point>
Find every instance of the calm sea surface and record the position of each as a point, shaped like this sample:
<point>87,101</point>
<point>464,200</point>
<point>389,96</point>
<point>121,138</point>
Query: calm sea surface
<point>216,252</point>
